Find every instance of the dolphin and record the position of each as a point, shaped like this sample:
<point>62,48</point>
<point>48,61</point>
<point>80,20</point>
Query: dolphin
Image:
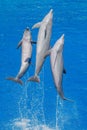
<point>26,44</point>
<point>57,67</point>
<point>43,43</point>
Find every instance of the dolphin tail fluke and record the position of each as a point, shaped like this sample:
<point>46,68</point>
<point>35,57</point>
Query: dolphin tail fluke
<point>60,91</point>
<point>68,99</point>
<point>15,80</point>
<point>34,79</point>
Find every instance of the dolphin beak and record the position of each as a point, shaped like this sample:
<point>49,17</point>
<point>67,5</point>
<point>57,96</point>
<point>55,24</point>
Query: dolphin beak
<point>27,28</point>
<point>51,11</point>
<point>63,36</point>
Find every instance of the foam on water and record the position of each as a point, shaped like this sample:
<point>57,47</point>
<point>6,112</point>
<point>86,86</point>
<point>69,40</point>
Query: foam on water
<point>25,124</point>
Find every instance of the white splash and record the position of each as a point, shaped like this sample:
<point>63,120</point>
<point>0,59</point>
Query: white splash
<point>25,124</point>
<point>31,110</point>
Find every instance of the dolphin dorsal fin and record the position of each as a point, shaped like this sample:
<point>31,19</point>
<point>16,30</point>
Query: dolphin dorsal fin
<point>37,25</point>
<point>19,44</point>
<point>47,53</point>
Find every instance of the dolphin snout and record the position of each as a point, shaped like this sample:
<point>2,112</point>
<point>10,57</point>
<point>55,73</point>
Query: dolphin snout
<point>51,11</point>
<point>63,36</point>
<point>27,28</point>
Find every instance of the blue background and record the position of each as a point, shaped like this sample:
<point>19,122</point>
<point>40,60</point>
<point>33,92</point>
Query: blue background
<point>38,106</point>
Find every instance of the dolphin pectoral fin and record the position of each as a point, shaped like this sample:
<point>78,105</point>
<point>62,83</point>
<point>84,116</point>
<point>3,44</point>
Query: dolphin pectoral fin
<point>37,25</point>
<point>15,80</point>
<point>64,71</point>
<point>19,44</point>
<point>33,42</point>
<point>47,53</point>
<point>28,60</point>
<point>34,79</point>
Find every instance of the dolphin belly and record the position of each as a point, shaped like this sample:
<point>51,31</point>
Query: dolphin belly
<point>26,51</point>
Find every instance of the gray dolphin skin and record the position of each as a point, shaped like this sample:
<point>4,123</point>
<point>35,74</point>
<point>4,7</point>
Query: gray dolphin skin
<point>43,43</point>
<point>26,44</point>
<point>57,67</point>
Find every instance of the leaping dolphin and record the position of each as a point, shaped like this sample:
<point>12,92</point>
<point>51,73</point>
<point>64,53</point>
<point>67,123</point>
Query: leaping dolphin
<point>57,67</point>
<point>43,43</point>
<point>26,44</point>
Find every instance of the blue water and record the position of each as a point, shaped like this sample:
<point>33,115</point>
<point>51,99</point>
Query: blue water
<point>38,106</point>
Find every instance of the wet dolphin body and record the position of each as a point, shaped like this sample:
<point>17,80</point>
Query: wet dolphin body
<point>43,43</point>
<point>26,44</point>
<point>57,67</point>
